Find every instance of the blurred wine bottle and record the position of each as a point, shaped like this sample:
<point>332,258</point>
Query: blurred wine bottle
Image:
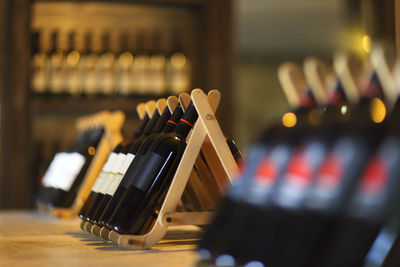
<point>56,64</point>
<point>123,67</point>
<point>105,67</point>
<point>89,63</point>
<point>178,67</point>
<point>157,66</point>
<point>140,66</point>
<point>40,64</point>
<point>73,83</point>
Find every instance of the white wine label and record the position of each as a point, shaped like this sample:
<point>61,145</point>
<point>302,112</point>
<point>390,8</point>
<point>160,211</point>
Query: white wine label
<point>127,163</point>
<point>51,175</point>
<point>71,166</point>
<point>115,183</point>
<point>110,161</point>
<point>118,163</point>
<point>58,169</point>
<point>106,181</point>
<point>117,178</point>
<point>112,172</point>
<point>105,173</point>
<point>99,181</point>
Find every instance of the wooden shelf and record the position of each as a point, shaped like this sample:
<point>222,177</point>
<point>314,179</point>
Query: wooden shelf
<point>184,3</point>
<point>60,105</point>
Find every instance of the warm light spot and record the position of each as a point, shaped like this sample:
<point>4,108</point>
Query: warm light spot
<point>289,119</point>
<point>73,58</point>
<point>343,109</point>
<point>91,150</point>
<point>178,60</point>
<point>377,110</point>
<point>125,59</point>
<point>366,43</point>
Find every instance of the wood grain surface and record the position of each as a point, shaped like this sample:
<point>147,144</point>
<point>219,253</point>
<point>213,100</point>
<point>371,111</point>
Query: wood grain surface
<point>28,238</point>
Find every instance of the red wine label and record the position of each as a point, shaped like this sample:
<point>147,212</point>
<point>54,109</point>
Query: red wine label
<point>246,172</point>
<point>267,173</point>
<point>307,99</point>
<point>330,178</point>
<point>299,174</point>
<point>378,181</point>
<point>330,173</point>
<point>374,177</point>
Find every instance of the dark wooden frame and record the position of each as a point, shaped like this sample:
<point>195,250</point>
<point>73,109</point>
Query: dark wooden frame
<point>15,179</point>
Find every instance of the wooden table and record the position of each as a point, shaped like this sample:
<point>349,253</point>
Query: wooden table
<point>28,238</point>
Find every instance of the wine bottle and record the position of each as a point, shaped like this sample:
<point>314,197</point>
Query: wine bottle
<point>107,181</point>
<point>105,68</point>
<point>71,168</point>
<point>159,166</point>
<point>109,178</point>
<point>140,66</point>
<point>123,67</point>
<point>255,198</point>
<point>51,179</point>
<point>99,181</point>
<point>135,167</point>
<point>368,209</point>
<point>89,67</point>
<point>40,66</point>
<point>378,172</point>
<point>178,67</point>
<point>111,188</point>
<point>140,129</point>
<point>99,184</point>
<point>72,80</point>
<point>157,68</point>
<point>56,66</point>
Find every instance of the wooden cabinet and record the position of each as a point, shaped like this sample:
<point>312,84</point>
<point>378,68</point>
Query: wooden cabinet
<point>28,123</point>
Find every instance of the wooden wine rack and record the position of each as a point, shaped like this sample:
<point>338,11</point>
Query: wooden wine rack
<point>112,123</point>
<point>205,188</point>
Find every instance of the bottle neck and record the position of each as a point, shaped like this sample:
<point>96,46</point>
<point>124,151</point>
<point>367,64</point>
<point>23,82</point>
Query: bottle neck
<point>372,87</point>
<point>187,121</point>
<point>337,96</point>
<point>140,129</point>
<point>152,122</point>
<point>117,149</point>
<point>162,121</point>
<point>174,119</point>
